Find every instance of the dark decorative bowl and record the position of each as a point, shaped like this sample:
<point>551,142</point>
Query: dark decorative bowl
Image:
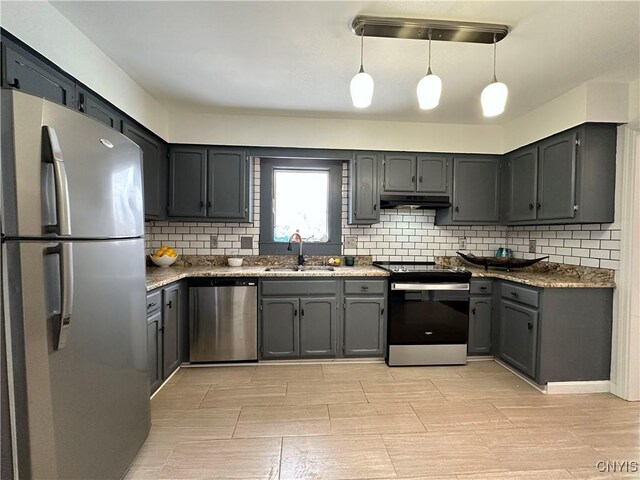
<point>500,262</point>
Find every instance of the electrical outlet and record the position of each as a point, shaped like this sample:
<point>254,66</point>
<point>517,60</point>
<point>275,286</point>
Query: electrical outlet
<point>246,243</point>
<point>213,241</point>
<point>462,243</point>
<point>351,242</point>
<point>532,246</point>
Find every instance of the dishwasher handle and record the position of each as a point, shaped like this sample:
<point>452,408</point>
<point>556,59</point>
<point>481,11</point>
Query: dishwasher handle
<point>223,282</point>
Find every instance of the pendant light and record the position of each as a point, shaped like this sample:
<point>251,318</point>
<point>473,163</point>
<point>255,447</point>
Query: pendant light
<point>429,87</point>
<point>494,95</point>
<point>361,83</point>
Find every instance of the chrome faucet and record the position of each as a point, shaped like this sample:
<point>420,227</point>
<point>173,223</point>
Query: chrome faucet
<point>296,238</point>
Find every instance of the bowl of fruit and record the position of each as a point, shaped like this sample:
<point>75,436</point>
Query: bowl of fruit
<point>164,256</point>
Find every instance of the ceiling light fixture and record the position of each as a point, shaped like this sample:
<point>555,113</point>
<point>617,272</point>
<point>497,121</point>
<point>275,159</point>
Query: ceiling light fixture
<point>361,83</point>
<point>494,96</point>
<point>429,87</point>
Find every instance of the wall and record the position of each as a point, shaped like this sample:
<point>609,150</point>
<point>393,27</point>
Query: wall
<point>47,31</point>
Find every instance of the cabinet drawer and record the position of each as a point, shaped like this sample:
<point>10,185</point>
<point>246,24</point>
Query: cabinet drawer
<point>365,287</point>
<point>154,301</point>
<point>520,294</point>
<point>299,287</point>
<point>481,287</point>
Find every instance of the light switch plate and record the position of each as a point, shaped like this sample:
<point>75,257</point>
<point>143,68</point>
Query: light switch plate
<point>462,243</point>
<point>213,240</point>
<point>351,242</point>
<point>532,246</point>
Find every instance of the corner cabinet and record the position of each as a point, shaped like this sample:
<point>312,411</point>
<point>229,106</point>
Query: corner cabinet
<point>480,317</point>
<point>154,160</point>
<point>364,191</point>
<point>476,192</point>
<point>553,181</point>
<point>519,336</point>
<point>209,183</point>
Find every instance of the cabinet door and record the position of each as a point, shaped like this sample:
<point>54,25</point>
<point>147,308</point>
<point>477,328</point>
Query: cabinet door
<point>318,327</point>
<point>522,185</point>
<point>364,327</point>
<point>519,336</point>
<point>280,331</point>
<point>433,174</point>
<point>170,329</point>
<point>480,325</point>
<point>187,182</point>
<point>557,177</point>
<point>154,350</point>
<point>476,189</point>
<point>364,194</point>
<point>228,184</point>
<point>91,105</point>
<point>399,173</point>
<point>152,157</point>
<point>25,72</point>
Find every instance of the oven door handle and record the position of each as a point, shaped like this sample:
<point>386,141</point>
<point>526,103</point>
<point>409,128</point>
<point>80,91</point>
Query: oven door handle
<point>419,287</point>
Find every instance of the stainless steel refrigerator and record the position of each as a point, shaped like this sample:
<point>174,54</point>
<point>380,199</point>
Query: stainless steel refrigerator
<point>73,292</point>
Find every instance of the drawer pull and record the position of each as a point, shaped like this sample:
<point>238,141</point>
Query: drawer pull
<point>483,288</point>
<point>515,294</point>
<point>364,287</point>
<point>152,304</point>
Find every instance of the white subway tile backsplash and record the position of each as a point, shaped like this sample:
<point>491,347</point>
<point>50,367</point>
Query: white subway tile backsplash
<point>404,234</point>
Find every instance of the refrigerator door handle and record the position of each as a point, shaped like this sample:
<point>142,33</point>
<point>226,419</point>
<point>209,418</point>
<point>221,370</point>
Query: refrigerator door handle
<point>66,283</point>
<point>60,179</point>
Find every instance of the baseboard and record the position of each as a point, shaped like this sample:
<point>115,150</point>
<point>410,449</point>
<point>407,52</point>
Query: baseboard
<point>595,386</point>
<point>479,358</point>
<point>506,366</point>
<point>165,382</point>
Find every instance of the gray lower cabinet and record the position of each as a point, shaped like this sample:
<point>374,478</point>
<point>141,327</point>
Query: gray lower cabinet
<point>154,159</point>
<point>518,336</point>
<point>166,321</point>
<point>23,71</point>
<point>476,192</point>
<point>102,111</point>
<point>364,327</point>
<point>318,319</point>
<point>480,318</point>
<point>364,191</point>
<point>280,328</point>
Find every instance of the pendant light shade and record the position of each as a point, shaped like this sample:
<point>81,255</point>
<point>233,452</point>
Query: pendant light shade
<point>494,96</point>
<point>429,87</point>
<point>361,83</point>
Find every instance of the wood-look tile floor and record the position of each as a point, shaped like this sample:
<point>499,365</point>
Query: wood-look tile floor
<point>367,421</point>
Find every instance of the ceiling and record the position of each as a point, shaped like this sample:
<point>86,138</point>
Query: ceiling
<point>297,58</point>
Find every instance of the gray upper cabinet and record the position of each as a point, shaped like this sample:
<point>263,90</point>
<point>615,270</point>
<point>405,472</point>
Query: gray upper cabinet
<point>364,327</point>
<point>433,174</point>
<point>228,185</point>
<point>364,191</point>
<point>520,194</point>
<point>480,315</point>
<point>91,105</point>
<point>399,173</point>
<point>557,180</point>
<point>171,317</point>
<point>154,161</point>
<point>280,327</point>
<point>23,71</point>
<point>519,336</point>
<point>187,181</point>
<point>318,327</point>
<point>476,192</point>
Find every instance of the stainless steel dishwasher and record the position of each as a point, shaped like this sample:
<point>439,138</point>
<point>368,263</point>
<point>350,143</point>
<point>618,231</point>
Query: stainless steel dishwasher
<point>223,320</point>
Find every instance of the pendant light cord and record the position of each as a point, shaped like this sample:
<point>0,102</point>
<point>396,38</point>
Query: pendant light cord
<point>361,49</point>
<point>494,58</point>
<point>429,69</point>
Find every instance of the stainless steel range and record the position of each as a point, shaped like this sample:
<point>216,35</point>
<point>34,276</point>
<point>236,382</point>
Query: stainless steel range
<point>428,314</point>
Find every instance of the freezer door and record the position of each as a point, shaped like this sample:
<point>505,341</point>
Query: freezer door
<point>84,405</point>
<point>65,174</point>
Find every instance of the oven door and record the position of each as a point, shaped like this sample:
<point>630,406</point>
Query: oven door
<point>428,314</point>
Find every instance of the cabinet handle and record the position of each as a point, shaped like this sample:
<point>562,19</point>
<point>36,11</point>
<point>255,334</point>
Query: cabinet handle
<point>473,310</point>
<point>201,204</point>
<point>457,209</point>
<point>81,106</point>
<point>515,294</point>
<point>420,179</point>
<point>209,204</point>
<point>302,312</point>
<point>152,304</point>
<point>161,329</point>
<point>530,326</point>
<point>364,287</point>
<point>295,312</point>
<point>382,312</point>
<point>375,207</point>
<point>170,304</point>
<point>15,84</point>
<point>531,206</point>
<point>538,206</point>
<point>413,179</point>
<point>483,288</point>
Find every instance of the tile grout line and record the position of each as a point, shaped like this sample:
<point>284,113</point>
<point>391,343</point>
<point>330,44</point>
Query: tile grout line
<point>280,462</point>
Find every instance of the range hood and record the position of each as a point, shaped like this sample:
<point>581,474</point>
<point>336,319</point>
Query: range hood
<point>414,201</point>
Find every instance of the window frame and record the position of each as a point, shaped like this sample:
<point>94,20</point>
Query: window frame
<point>334,167</point>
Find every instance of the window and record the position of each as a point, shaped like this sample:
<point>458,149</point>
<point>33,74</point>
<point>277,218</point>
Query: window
<point>304,196</point>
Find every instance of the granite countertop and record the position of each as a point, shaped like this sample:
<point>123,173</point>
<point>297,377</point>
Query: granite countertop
<point>158,277</point>
<point>543,279</point>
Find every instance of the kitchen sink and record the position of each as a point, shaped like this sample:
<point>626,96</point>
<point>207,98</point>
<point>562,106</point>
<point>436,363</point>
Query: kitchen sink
<point>299,269</point>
